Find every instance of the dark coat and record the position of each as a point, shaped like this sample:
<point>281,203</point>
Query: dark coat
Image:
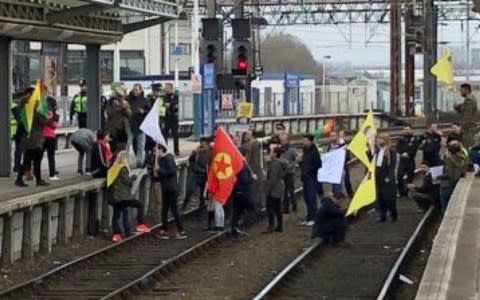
<point>408,144</point>
<point>199,161</point>
<point>330,218</point>
<point>140,107</point>
<point>385,175</point>
<point>274,186</point>
<point>429,189</point>
<point>431,149</point>
<point>171,103</point>
<point>244,182</point>
<point>167,173</point>
<point>122,186</point>
<point>310,164</point>
<point>35,139</point>
<point>455,137</point>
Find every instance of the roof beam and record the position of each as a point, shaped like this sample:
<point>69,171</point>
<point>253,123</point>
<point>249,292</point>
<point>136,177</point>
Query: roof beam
<point>144,24</point>
<point>65,14</point>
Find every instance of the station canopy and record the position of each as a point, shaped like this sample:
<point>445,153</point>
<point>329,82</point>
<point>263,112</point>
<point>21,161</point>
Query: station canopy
<point>81,21</point>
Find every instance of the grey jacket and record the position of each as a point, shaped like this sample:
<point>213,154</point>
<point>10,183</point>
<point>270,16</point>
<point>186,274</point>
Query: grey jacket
<point>290,157</point>
<point>274,187</point>
<point>35,139</point>
<point>83,137</point>
<point>122,185</point>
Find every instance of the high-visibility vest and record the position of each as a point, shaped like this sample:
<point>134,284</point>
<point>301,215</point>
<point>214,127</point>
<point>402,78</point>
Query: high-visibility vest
<point>162,109</point>
<point>79,103</point>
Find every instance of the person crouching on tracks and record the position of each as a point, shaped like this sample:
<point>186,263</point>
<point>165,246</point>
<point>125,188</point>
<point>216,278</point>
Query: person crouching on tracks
<point>165,172</point>
<point>386,161</point>
<point>274,190</point>
<point>122,199</point>
<point>427,193</point>
<point>407,148</point>
<point>330,223</point>
<point>454,167</point>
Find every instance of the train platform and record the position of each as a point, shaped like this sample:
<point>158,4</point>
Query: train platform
<point>67,167</point>
<point>453,268</point>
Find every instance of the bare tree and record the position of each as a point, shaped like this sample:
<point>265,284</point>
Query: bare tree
<point>285,53</point>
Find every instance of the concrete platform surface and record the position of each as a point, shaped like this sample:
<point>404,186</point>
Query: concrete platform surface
<point>67,167</point>
<point>453,268</point>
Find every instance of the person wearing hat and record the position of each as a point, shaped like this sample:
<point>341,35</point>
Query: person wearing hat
<point>118,119</point>
<point>79,105</point>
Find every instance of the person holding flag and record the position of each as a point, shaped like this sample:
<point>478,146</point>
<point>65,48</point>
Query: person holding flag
<point>33,116</point>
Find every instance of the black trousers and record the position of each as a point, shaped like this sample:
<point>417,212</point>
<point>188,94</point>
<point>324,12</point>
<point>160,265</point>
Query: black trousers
<point>274,212</point>
<point>387,201</point>
<point>289,197</point>
<point>196,182</point>
<point>242,204</point>
<point>424,201</point>
<point>18,154</point>
<point>336,232</point>
<point>50,146</point>
<point>169,203</point>
<point>82,120</point>
<point>32,156</point>
<point>348,182</point>
<point>121,208</point>
<point>405,174</point>
<point>171,130</point>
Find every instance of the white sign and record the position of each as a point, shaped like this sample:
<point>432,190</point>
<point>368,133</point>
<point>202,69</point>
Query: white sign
<point>436,172</point>
<point>333,164</point>
<point>227,102</point>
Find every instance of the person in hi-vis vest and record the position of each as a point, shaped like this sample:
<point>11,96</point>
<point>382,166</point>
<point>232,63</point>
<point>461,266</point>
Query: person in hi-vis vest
<point>79,105</point>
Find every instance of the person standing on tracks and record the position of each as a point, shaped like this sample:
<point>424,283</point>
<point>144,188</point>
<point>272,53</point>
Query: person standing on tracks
<point>79,105</point>
<point>330,223</point>
<point>198,161</point>
<point>253,157</point>
<point>407,147</point>
<point>467,110</point>
<point>431,143</point>
<point>118,120</point>
<point>455,166</point>
<point>335,144</point>
<point>82,140</point>
<point>171,117</point>
<point>274,190</point>
<point>140,107</point>
<point>289,155</point>
<point>309,166</point>
<point>122,199</point>
<point>386,162</point>
<point>165,173</point>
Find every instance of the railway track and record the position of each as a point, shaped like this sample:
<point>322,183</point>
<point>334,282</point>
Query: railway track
<point>374,260</point>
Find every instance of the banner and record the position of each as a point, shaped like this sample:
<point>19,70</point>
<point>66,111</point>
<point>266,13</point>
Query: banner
<point>332,166</point>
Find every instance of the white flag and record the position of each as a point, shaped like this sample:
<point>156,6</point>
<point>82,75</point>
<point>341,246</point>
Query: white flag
<point>333,163</point>
<point>151,125</point>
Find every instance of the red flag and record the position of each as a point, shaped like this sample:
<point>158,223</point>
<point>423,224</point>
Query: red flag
<point>226,163</point>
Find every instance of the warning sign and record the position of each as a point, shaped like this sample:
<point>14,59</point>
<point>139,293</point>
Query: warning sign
<point>245,110</point>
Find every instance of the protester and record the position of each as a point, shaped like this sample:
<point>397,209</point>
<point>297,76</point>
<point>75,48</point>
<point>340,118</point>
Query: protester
<point>254,159</point>
<point>431,143</point>
<point>330,223</point>
<point>118,120</point>
<point>198,162</point>
<point>242,196</point>
<point>335,144</point>
<point>101,155</point>
<point>275,189</point>
<point>82,140</point>
<point>50,143</point>
<point>309,167</point>
<point>140,107</point>
<point>123,199</point>
<point>427,193</point>
<point>21,134</point>
<point>79,105</point>
<point>385,178</point>
<point>406,148</point>
<point>165,172</point>
<point>34,149</point>
<point>171,117</point>
<point>347,181</point>
<point>467,110</point>
<point>289,155</point>
<point>454,167</point>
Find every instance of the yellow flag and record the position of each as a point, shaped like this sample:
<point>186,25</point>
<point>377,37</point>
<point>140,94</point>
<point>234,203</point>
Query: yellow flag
<point>359,144</point>
<point>443,69</point>
<point>365,194</point>
<point>27,114</point>
<point>113,172</point>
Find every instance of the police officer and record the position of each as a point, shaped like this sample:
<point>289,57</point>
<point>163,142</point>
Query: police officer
<point>407,148</point>
<point>79,105</point>
<point>431,143</point>
<point>171,116</point>
<point>467,111</point>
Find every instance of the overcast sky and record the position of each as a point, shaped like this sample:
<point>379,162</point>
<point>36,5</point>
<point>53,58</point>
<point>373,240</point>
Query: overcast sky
<point>334,41</point>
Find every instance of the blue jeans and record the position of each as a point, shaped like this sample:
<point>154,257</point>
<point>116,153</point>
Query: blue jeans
<point>138,141</point>
<point>474,156</point>
<point>310,195</point>
<point>445,193</point>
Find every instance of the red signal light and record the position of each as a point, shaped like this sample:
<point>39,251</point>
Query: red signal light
<point>242,65</point>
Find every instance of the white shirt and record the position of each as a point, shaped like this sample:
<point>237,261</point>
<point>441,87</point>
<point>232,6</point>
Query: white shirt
<point>380,156</point>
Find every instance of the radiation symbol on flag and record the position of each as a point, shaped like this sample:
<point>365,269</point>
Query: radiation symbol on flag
<point>223,166</point>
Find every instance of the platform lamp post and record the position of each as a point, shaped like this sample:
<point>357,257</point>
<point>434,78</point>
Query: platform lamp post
<point>324,91</point>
